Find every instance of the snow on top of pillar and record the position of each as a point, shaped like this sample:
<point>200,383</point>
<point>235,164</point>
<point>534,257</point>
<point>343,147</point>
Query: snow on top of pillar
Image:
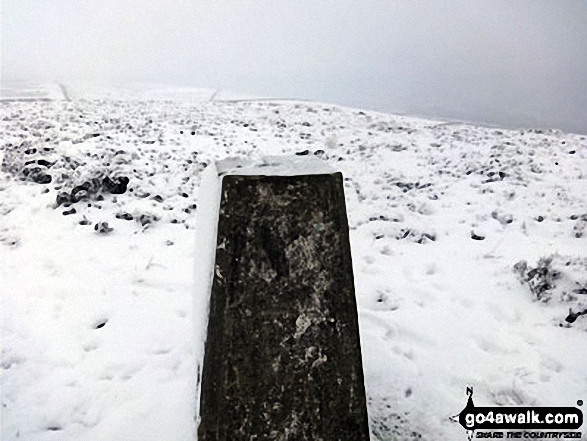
<point>289,165</point>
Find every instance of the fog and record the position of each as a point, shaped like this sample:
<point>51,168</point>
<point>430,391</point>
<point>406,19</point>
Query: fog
<point>500,62</point>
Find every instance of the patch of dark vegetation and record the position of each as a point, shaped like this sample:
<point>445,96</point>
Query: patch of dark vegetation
<point>557,279</point>
<point>580,225</point>
<point>115,185</point>
<point>93,189</point>
<point>41,178</point>
<point>27,163</point>
<point>387,423</point>
<point>540,279</point>
<point>502,218</point>
<point>407,186</point>
<point>493,176</point>
<point>415,236</point>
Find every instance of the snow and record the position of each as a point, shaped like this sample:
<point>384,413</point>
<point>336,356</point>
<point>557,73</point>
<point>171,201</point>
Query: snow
<point>206,228</point>
<point>102,333</point>
<point>283,165</point>
<point>29,91</point>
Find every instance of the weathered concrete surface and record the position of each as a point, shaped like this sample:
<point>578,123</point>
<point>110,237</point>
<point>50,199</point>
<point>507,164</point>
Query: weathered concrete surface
<point>283,358</point>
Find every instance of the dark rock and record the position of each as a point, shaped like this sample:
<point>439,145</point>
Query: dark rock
<point>68,212</point>
<point>157,198</point>
<point>319,152</point>
<point>62,198</point>
<point>102,228</point>
<point>574,315</point>
<point>124,216</point>
<point>146,219</point>
<point>101,324</point>
<point>303,153</point>
<point>432,237</point>
<point>539,218</point>
<point>45,163</point>
<point>476,237</point>
<point>85,221</point>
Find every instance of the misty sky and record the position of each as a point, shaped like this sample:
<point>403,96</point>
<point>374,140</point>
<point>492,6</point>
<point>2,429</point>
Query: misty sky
<point>503,62</point>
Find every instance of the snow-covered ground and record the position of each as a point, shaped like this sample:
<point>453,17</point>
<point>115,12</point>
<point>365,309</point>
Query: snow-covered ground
<point>98,203</point>
<point>30,91</point>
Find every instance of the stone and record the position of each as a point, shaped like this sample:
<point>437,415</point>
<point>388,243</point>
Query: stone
<point>282,357</point>
<point>146,219</point>
<point>102,228</point>
<point>124,216</point>
<point>45,163</point>
<point>62,198</point>
<point>477,236</point>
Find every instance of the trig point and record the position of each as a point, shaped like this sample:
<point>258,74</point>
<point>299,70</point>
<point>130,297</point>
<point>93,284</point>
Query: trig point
<point>282,357</point>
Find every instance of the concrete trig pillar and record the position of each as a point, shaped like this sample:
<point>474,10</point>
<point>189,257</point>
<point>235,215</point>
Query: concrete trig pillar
<point>282,357</point>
